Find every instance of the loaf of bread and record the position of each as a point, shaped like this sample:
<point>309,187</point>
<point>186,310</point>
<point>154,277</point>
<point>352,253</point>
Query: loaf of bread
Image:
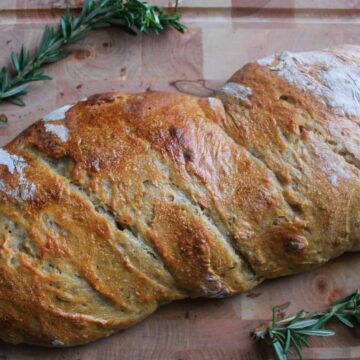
<point>123,202</point>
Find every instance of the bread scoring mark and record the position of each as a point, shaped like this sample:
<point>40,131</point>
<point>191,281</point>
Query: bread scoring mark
<point>16,164</point>
<point>239,91</point>
<point>60,131</point>
<point>58,114</point>
<point>325,74</point>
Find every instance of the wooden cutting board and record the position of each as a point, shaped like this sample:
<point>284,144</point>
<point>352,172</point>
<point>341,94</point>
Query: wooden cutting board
<point>222,36</point>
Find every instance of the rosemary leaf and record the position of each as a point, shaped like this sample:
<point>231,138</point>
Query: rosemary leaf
<point>131,16</point>
<point>319,332</point>
<point>302,324</point>
<point>288,341</point>
<point>279,350</point>
<point>344,320</point>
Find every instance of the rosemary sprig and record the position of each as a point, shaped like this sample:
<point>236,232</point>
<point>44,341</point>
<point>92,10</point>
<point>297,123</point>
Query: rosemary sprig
<point>292,333</point>
<point>132,16</point>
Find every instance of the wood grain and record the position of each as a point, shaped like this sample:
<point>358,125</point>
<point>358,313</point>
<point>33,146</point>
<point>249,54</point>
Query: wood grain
<point>223,35</point>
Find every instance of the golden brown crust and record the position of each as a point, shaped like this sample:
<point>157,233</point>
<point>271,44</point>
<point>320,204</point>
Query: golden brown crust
<point>123,202</point>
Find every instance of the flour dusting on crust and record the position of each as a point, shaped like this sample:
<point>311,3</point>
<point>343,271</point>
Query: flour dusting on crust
<point>24,192</point>
<point>239,91</point>
<point>214,102</point>
<point>332,75</point>
<point>267,61</point>
<point>60,131</point>
<point>58,114</point>
<point>217,105</point>
<point>16,165</point>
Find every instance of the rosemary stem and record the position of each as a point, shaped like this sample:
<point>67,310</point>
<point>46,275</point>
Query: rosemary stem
<point>294,331</point>
<point>132,16</point>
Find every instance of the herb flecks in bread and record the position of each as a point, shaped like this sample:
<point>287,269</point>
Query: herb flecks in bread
<point>154,197</point>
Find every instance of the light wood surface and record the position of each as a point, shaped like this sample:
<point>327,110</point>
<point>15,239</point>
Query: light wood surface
<point>222,36</point>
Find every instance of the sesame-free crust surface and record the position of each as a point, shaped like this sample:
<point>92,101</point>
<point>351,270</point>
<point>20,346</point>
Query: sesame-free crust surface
<point>125,202</point>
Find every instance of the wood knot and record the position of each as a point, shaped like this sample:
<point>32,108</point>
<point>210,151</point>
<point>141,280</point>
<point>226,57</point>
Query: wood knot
<point>81,54</point>
<point>322,284</point>
<point>296,243</point>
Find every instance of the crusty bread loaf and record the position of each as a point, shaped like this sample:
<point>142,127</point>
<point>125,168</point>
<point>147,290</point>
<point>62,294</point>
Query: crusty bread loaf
<point>123,202</point>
